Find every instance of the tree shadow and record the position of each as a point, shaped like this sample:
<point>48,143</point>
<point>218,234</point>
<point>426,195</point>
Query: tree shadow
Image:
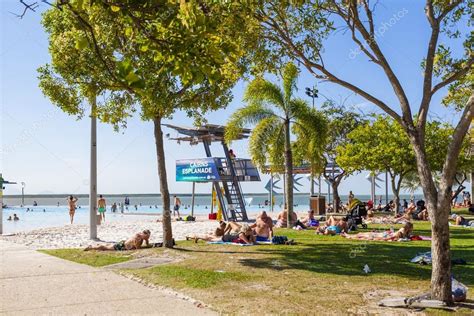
<point>350,259</point>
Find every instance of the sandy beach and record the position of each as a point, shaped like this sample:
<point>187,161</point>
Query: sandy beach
<point>77,236</point>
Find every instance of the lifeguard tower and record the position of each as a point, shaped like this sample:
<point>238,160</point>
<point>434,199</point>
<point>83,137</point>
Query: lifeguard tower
<point>225,173</point>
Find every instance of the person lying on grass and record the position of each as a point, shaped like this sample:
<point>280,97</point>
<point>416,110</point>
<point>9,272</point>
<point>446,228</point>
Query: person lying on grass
<point>218,232</point>
<point>461,221</point>
<point>403,232</point>
<point>134,242</point>
<point>243,236</point>
<point>333,226</point>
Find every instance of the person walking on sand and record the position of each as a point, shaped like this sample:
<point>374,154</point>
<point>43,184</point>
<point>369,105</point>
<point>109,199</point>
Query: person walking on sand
<point>101,207</point>
<point>177,205</point>
<point>72,207</point>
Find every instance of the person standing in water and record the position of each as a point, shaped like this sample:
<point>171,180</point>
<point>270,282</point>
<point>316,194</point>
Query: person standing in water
<point>72,207</point>
<point>177,205</point>
<point>101,207</point>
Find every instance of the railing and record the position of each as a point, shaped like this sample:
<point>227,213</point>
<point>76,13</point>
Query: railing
<point>244,170</point>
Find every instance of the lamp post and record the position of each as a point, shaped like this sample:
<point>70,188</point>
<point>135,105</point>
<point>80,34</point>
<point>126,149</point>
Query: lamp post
<point>23,184</point>
<point>313,93</point>
<point>93,173</point>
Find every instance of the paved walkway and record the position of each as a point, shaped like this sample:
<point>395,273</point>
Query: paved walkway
<point>33,283</point>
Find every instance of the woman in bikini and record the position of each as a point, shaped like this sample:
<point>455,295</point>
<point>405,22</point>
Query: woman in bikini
<point>72,207</point>
<point>403,232</point>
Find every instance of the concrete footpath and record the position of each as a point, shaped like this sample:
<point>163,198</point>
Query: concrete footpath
<point>32,283</point>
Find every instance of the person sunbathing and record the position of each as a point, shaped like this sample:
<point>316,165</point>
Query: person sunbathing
<point>134,242</point>
<point>232,227</point>
<point>218,232</point>
<point>309,221</point>
<point>282,219</point>
<point>244,236</point>
<point>263,227</point>
<point>333,226</point>
<point>461,221</point>
<point>403,232</point>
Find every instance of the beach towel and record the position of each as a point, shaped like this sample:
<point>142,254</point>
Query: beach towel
<point>418,237</point>
<point>385,220</point>
<point>227,243</point>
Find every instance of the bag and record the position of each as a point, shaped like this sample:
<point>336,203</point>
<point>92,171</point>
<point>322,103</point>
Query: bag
<point>190,218</point>
<point>458,290</point>
<point>213,216</point>
<point>279,240</point>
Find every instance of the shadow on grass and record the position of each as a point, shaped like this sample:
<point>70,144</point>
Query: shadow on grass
<point>340,259</point>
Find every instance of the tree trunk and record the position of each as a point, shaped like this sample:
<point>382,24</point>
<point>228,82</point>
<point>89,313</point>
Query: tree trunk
<point>288,174</point>
<point>440,252</point>
<point>165,195</point>
<point>438,208</point>
<point>396,191</point>
<point>336,199</point>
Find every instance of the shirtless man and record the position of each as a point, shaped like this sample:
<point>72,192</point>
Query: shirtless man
<point>177,205</point>
<point>282,219</point>
<point>72,207</point>
<point>101,207</point>
<point>263,227</point>
<point>134,242</point>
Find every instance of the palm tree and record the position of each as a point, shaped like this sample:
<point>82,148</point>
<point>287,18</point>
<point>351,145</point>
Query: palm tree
<point>275,114</point>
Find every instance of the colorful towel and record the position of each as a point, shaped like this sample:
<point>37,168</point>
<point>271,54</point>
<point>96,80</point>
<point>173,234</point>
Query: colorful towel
<point>239,244</point>
<point>227,243</point>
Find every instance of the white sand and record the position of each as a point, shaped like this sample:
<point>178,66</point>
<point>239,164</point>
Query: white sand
<point>77,236</point>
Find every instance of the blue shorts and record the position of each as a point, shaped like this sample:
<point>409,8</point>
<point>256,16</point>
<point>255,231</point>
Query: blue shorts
<point>337,229</point>
<point>261,238</point>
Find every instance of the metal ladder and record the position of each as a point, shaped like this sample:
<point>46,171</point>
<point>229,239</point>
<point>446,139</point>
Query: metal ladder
<point>233,190</point>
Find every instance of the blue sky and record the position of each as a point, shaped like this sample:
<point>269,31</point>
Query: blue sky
<point>49,150</point>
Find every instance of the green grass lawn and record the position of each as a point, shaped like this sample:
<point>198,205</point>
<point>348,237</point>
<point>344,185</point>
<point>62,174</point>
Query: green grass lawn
<point>92,258</point>
<point>320,273</point>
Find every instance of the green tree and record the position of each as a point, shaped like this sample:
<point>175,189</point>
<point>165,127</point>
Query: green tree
<point>342,120</point>
<point>276,113</point>
<point>380,145</point>
<point>108,47</point>
<point>298,30</point>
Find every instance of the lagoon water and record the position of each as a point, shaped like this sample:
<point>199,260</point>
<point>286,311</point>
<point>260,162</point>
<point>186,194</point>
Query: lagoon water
<point>48,214</point>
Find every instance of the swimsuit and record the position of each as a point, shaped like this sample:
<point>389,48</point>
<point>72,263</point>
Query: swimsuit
<point>120,246</point>
<point>101,209</point>
<point>337,229</point>
<point>234,237</point>
<point>261,238</point>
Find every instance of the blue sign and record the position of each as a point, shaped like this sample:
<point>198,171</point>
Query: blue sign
<point>197,170</point>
